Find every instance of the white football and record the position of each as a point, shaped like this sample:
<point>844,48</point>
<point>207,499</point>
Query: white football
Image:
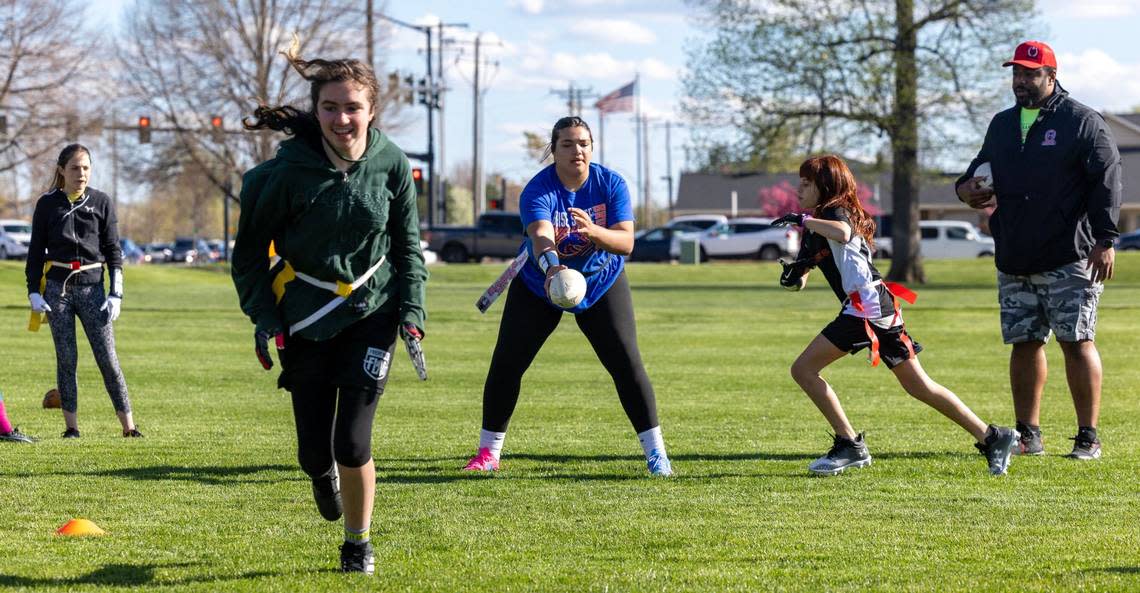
<point>567,288</point>
<point>986,173</point>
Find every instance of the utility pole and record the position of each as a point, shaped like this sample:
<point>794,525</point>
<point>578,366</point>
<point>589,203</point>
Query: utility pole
<point>431,91</point>
<point>477,139</point>
<point>439,106</point>
<point>645,162</point>
<point>574,96</point>
<point>669,163</point>
<point>433,183</point>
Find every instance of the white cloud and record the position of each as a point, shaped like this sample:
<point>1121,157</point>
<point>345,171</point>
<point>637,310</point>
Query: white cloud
<point>654,68</point>
<point>613,31</point>
<point>1096,79</point>
<point>1088,9</point>
<point>527,6</point>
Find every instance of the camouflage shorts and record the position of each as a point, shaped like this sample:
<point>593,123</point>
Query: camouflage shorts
<point>1063,300</point>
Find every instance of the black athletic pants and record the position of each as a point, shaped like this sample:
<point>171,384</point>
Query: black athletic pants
<point>336,384</point>
<point>609,326</point>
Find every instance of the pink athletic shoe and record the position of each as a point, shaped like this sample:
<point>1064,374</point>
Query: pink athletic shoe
<point>483,461</point>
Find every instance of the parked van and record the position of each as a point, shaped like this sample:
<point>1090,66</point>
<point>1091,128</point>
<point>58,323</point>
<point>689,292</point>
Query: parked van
<point>945,239</point>
<point>15,235</point>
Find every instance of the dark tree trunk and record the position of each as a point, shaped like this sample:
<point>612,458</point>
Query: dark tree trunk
<point>906,262</point>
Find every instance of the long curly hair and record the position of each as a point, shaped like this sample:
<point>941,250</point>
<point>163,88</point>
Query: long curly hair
<point>293,121</point>
<point>837,189</point>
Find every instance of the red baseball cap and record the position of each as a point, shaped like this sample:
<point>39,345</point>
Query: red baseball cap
<point>1033,54</point>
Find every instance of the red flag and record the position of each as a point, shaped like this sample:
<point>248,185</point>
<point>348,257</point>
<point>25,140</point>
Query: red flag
<point>619,100</point>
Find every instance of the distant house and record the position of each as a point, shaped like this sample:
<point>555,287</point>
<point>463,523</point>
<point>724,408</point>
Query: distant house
<point>701,193</point>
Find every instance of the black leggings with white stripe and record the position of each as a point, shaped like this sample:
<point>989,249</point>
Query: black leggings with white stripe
<point>609,326</point>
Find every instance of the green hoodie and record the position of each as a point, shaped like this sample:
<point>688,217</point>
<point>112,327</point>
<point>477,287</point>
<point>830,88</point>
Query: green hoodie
<point>334,226</point>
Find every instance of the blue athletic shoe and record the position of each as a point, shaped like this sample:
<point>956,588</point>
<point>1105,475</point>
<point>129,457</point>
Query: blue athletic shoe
<point>658,463</point>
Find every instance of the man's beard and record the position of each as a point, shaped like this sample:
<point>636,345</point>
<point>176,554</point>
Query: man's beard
<point>1032,96</point>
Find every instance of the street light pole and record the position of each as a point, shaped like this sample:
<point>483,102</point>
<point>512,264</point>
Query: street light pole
<point>434,187</point>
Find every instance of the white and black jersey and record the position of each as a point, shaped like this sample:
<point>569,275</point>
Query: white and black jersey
<point>850,273</point>
<point>85,231</point>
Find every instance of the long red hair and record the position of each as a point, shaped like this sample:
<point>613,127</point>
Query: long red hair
<point>837,189</point>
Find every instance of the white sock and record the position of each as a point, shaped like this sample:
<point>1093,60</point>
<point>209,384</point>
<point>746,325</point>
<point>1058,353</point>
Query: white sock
<point>492,440</point>
<point>651,440</point>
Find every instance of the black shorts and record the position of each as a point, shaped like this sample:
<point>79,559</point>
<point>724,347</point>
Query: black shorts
<point>359,356</point>
<point>848,333</point>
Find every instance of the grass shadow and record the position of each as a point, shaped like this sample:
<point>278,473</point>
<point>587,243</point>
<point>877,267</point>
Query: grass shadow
<point>1115,569</point>
<point>122,575</point>
<point>605,457</point>
<point>210,475</point>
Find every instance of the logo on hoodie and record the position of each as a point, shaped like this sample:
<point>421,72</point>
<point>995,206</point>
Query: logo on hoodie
<point>1050,138</point>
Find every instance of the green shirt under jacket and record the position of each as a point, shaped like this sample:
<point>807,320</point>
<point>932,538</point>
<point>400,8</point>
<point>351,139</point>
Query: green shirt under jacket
<point>333,226</point>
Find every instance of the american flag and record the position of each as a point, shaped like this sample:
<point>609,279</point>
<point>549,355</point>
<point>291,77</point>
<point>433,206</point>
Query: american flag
<point>619,100</point>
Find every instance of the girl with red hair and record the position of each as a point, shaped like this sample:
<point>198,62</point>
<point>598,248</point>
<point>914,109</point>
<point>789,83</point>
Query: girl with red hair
<point>837,238</point>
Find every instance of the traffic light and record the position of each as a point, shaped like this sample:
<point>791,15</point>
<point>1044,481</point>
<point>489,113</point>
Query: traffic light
<point>216,129</point>
<point>418,180</point>
<point>495,204</point>
<point>422,89</point>
<point>144,129</point>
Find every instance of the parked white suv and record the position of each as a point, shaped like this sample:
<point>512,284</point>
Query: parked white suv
<point>14,238</point>
<point>703,222</point>
<point>749,238</point>
<point>945,239</point>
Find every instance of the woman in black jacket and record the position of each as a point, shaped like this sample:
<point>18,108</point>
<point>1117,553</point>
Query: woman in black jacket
<point>74,234</point>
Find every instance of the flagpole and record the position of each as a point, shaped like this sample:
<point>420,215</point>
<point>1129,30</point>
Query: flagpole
<point>637,128</point>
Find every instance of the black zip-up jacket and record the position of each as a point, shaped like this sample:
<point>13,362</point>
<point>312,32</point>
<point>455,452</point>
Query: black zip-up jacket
<point>86,231</point>
<point>1059,193</point>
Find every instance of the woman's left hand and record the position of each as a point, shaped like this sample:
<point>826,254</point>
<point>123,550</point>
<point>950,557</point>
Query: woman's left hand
<point>583,224</point>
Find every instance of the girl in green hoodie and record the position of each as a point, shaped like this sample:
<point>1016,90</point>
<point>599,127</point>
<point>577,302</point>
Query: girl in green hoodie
<point>339,207</point>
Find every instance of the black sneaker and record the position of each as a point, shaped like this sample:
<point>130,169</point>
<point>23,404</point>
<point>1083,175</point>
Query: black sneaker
<point>16,437</point>
<point>326,491</point>
<point>71,433</point>
<point>132,434</point>
<point>356,558</point>
<point>998,447</point>
<point>1030,442</point>
<point>1086,446</point>
<point>844,453</point>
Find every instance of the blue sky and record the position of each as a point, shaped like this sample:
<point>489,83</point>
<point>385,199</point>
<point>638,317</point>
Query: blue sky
<point>541,45</point>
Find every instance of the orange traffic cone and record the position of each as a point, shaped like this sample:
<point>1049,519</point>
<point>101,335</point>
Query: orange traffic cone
<point>79,527</point>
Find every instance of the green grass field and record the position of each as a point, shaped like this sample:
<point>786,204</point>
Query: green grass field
<point>212,498</point>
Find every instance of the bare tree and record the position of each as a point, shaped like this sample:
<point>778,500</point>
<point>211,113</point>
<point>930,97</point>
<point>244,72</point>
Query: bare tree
<point>43,45</point>
<point>186,62</point>
<point>840,74</point>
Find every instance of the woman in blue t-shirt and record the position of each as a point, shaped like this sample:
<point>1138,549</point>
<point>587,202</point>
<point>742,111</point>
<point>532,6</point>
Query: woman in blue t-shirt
<point>577,215</point>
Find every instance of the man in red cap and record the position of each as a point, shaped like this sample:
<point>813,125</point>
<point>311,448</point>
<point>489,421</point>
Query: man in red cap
<point>1056,185</point>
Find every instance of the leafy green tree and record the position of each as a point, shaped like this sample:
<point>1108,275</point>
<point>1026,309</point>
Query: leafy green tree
<point>838,75</point>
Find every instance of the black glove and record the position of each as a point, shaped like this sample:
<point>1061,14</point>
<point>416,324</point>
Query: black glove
<point>796,218</point>
<point>261,339</point>
<point>793,276</point>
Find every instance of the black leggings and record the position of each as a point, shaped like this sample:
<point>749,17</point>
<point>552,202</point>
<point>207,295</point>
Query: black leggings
<point>609,326</point>
<point>333,428</point>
